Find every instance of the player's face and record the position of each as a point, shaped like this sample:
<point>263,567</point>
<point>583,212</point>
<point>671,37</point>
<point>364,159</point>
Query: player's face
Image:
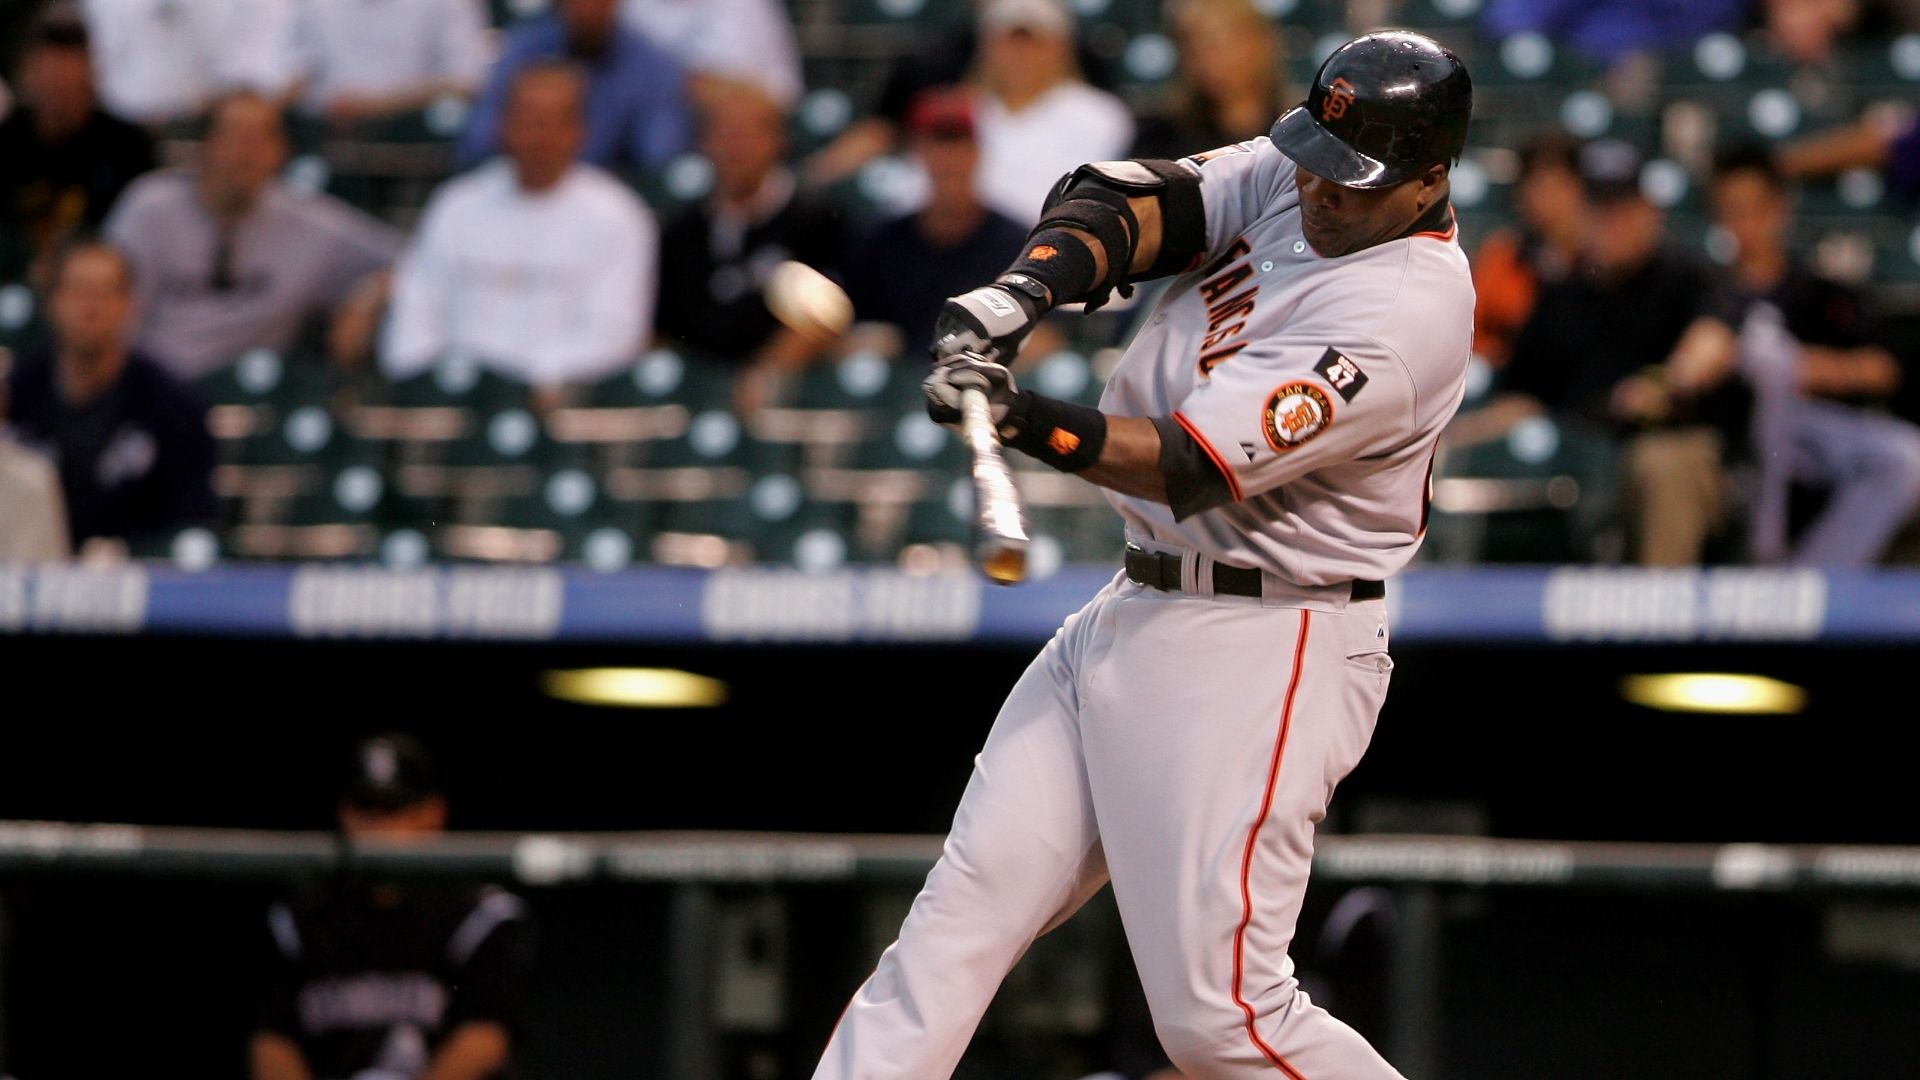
<point>1341,220</point>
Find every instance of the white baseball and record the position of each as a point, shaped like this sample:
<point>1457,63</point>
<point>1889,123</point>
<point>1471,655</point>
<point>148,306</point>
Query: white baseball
<point>807,300</point>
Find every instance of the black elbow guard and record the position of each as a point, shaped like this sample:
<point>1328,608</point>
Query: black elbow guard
<point>1095,197</point>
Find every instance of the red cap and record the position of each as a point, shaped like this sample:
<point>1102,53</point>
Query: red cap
<point>944,113</point>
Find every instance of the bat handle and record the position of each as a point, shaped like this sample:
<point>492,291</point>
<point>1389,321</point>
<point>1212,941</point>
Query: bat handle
<point>1000,527</point>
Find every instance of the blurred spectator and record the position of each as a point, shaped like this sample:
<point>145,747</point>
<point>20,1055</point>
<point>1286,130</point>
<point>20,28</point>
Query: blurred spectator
<point>1819,374</point>
<point>1637,342</point>
<point>229,258</point>
<point>1514,263</point>
<point>539,266</point>
<point>1805,30</point>
<point>381,981</point>
<point>1886,140</point>
<point>33,519</point>
<point>904,271</point>
<point>1231,84</point>
<point>364,61</point>
<point>1611,29</point>
<point>161,60</point>
<point>130,440</point>
<point>637,111</point>
<point>721,250</point>
<point>62,160</point>
<point>1038,119</point>
<point>748,41</point>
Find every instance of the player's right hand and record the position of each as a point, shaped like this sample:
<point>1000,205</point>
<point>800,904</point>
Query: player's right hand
<point>989,322</point>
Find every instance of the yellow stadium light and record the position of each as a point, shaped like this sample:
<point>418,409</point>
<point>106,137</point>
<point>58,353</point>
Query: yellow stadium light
<point>1714,693</point>
<point>635,688</point>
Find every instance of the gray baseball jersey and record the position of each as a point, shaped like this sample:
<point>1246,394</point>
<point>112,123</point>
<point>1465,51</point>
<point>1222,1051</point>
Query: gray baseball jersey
<point>1318,386</point>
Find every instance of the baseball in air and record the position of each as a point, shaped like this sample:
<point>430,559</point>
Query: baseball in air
<point>808,301</point>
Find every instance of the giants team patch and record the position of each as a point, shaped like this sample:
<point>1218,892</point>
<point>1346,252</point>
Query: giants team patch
<point>1342,374</point>
<point>1295,413</point>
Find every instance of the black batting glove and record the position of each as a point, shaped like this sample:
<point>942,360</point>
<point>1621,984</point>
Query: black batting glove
<point>965,371</point>
<point>989,322</point>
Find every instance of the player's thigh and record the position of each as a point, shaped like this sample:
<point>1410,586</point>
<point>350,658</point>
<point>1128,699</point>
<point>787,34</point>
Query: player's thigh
<point>1212,749</point>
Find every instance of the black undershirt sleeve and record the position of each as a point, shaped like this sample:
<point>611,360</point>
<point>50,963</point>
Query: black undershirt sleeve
<point>1194,482</point>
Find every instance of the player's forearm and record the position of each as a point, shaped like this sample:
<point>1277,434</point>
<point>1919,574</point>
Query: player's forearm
<point>272,1056</point>
<point>475,1051</point>
<point>1130,460</point>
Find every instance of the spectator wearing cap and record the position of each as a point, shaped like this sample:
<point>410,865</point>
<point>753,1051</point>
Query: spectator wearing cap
<point>360,61</point>
<point>637,111</point>
<point>1230,85</point>
<point>227,257</point>
<point>723,248</point>
<point>1037,118</point>
<point>1637,342</point>
<point>168,60</point>
<point>1823,383</point>
<point>129,439</point>
<point>367,978</point>
<point>33,517</point>
<point>535,264</point>
<point>750,41</point>
<point>63,159</point>
<point>903,271</point>
<point>1514,263</point>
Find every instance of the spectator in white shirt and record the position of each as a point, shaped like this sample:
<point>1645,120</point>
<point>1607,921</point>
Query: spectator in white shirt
<point>1038,119</point>
<point>160,60</point>
<point>748,41</point>
<point>538,266</point>
<point>367,59</point>
<point>228,258</point>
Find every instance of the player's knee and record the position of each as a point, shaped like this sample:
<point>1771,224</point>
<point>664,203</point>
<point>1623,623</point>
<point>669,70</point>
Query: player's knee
<point>1198,1030</point>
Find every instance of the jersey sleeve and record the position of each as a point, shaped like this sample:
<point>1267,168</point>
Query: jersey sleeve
<point>1290,406</point>
<point>492,954</point>
<point>1239,184</point>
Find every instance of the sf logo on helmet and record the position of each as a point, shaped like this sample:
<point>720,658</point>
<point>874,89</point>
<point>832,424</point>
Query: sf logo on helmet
<point>1339,96</point>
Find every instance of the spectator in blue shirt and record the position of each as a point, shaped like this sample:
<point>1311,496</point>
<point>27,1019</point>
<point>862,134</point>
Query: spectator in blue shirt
<point>638,115</point>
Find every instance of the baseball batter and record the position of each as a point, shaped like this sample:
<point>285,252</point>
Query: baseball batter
<point>1269,441</point>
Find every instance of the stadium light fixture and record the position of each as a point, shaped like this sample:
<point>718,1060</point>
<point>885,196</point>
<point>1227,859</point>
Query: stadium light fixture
<point>635,688</point>
<point>1715,693</point>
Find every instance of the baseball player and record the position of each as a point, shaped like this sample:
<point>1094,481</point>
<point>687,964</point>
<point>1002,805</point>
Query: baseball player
<point>1268,440</point>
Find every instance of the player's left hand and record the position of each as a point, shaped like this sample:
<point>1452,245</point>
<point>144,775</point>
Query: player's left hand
<point>967,372</point>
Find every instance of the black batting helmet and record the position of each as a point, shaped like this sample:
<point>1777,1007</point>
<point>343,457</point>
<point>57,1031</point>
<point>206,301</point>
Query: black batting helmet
<point>1383,107</point>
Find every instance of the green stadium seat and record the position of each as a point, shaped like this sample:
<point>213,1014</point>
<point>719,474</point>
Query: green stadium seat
<point>911,441</point>
<point>715,439</point>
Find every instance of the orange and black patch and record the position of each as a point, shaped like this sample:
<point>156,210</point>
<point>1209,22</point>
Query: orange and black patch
<point>1042,252</point>
<point>1294,414</point>
<point>1063,442</point>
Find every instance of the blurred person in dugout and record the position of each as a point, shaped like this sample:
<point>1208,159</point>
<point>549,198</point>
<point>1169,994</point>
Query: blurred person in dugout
<point>902,272</point>
<point>723,249</point>
<point>228,257</point>
<point>373,980</point>
<point>356,61</point>
<point>1638,342</point>
<point>1539,250</point>
<point>1822,382</point>
<point>129,439</point>
<point>63,159</point>
<point>1231,81</point>
<point>638,115</point>
<point>540,267</point>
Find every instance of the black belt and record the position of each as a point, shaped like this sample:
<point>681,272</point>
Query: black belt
<point>1161,570</point>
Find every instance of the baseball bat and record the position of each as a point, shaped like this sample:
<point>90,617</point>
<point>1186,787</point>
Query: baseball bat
<point>999,522</point>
